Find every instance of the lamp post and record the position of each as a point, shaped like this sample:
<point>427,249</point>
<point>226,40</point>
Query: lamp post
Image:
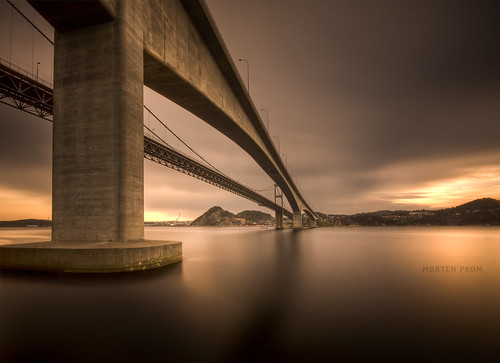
<point>37,64</point>
<point>248,73</point>
<point>279,147</point>
<point>286,160</point>
<point>267,117</point>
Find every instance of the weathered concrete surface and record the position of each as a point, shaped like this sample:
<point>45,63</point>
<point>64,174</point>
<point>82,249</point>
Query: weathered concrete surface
<point>279,219</point>
<point>185,60</point>
<point>297,220</point>
<point>98,146</point>
<point>97,257</point>
<point>70,15</point>
<point>104,53</point>
<point>98,187</point>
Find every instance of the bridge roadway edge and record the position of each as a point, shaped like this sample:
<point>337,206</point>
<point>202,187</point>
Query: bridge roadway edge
<point>90,257</point>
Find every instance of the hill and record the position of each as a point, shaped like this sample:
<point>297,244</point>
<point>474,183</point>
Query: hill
<point>480,204</point>
<point>485,211</point>
<point>254,216</point>
<point>26,223</point>
<point>216,216</point>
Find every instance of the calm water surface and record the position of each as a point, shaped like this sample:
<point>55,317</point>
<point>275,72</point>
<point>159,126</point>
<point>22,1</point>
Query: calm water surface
<point>251,294</point>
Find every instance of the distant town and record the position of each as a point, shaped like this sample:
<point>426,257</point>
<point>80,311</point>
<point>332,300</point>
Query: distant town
<point>485,212</point>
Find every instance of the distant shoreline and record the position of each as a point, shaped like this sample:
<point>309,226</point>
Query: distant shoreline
<point>480,212</point>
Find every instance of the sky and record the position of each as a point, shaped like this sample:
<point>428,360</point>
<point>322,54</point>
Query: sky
<point>374,105</point>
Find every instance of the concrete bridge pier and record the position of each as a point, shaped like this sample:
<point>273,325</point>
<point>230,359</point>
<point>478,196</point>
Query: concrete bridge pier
<point>98,150</point>
<point>279,219</point>
<point>297,219</point>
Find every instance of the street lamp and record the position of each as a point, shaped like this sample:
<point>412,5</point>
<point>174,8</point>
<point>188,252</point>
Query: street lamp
<point>286,160</point>
<point>248,73</point>
<point>37,64</point>
<point>267,117</point>
<point>279,147</point>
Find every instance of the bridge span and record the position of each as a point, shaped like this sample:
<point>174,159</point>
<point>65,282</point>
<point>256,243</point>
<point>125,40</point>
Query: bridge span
<point>20,89</point>
<point>104,52</point>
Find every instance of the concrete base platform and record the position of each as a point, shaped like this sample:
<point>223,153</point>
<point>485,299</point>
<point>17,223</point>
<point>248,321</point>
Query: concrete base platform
<point>97,257</point>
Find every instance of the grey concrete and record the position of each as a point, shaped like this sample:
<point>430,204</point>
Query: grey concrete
<point>104,51</point>
<point>97,257</point>
<point>297,219</point>
<point>185,60</point>
<point>98,131</point>
<point>279,219</point>
<point>98,147</point>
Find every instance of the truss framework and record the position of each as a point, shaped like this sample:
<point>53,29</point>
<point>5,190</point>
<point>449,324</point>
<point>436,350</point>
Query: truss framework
<point>22,92</point>
<point>164,155</point>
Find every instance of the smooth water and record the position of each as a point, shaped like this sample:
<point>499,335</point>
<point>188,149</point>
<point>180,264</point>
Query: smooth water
<point>251,294</point>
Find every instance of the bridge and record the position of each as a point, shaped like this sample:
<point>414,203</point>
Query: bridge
<point>104,52</point>
<point>20,89</point>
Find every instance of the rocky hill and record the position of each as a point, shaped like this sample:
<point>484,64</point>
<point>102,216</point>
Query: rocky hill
<point>216,216</point>
<point>254,216</point>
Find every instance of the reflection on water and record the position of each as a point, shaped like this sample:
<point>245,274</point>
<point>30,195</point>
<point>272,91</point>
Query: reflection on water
<point>247,294</point>
<point>24,235</point>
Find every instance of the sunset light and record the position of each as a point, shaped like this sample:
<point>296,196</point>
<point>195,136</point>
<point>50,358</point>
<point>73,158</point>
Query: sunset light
<point>447,193</point>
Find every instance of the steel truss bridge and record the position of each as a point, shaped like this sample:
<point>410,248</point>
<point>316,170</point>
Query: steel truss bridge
<point>24,91</point>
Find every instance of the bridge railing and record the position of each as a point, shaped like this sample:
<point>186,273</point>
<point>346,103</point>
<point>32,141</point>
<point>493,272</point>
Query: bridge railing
<point>24,72</point>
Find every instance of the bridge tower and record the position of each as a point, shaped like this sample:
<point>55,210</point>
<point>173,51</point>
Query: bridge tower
<point>98,145</point>
<point>278,194</point>
<point>98,192</point>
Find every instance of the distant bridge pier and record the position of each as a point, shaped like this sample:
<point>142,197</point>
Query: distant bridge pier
<point>279,219</point>
<point>297,219</point>
<point>98,150</point>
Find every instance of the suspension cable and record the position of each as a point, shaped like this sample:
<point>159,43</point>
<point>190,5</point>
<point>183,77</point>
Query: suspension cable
<point>29,21</point>
<point>178,138</point>
<point>158,137</point>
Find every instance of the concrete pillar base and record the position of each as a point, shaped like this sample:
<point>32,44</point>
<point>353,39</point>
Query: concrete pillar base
<point>90,257</point>
<point>297,219</point>
<point>279,219</point>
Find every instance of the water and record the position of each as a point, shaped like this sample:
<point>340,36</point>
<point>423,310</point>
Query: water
<point>251,294</point>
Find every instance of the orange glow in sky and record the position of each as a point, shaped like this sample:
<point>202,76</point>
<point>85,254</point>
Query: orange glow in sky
<point>21,204</point>
<point>449,193</point>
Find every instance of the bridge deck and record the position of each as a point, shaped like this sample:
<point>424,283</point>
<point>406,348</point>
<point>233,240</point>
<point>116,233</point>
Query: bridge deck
<point>19,89</point>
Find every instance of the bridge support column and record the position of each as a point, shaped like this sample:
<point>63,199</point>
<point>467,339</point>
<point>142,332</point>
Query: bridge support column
<point>98,131</point>
<point>297,219</point>
<point>279,219</point>
<point>313,223</point>
<point>98,151</point>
